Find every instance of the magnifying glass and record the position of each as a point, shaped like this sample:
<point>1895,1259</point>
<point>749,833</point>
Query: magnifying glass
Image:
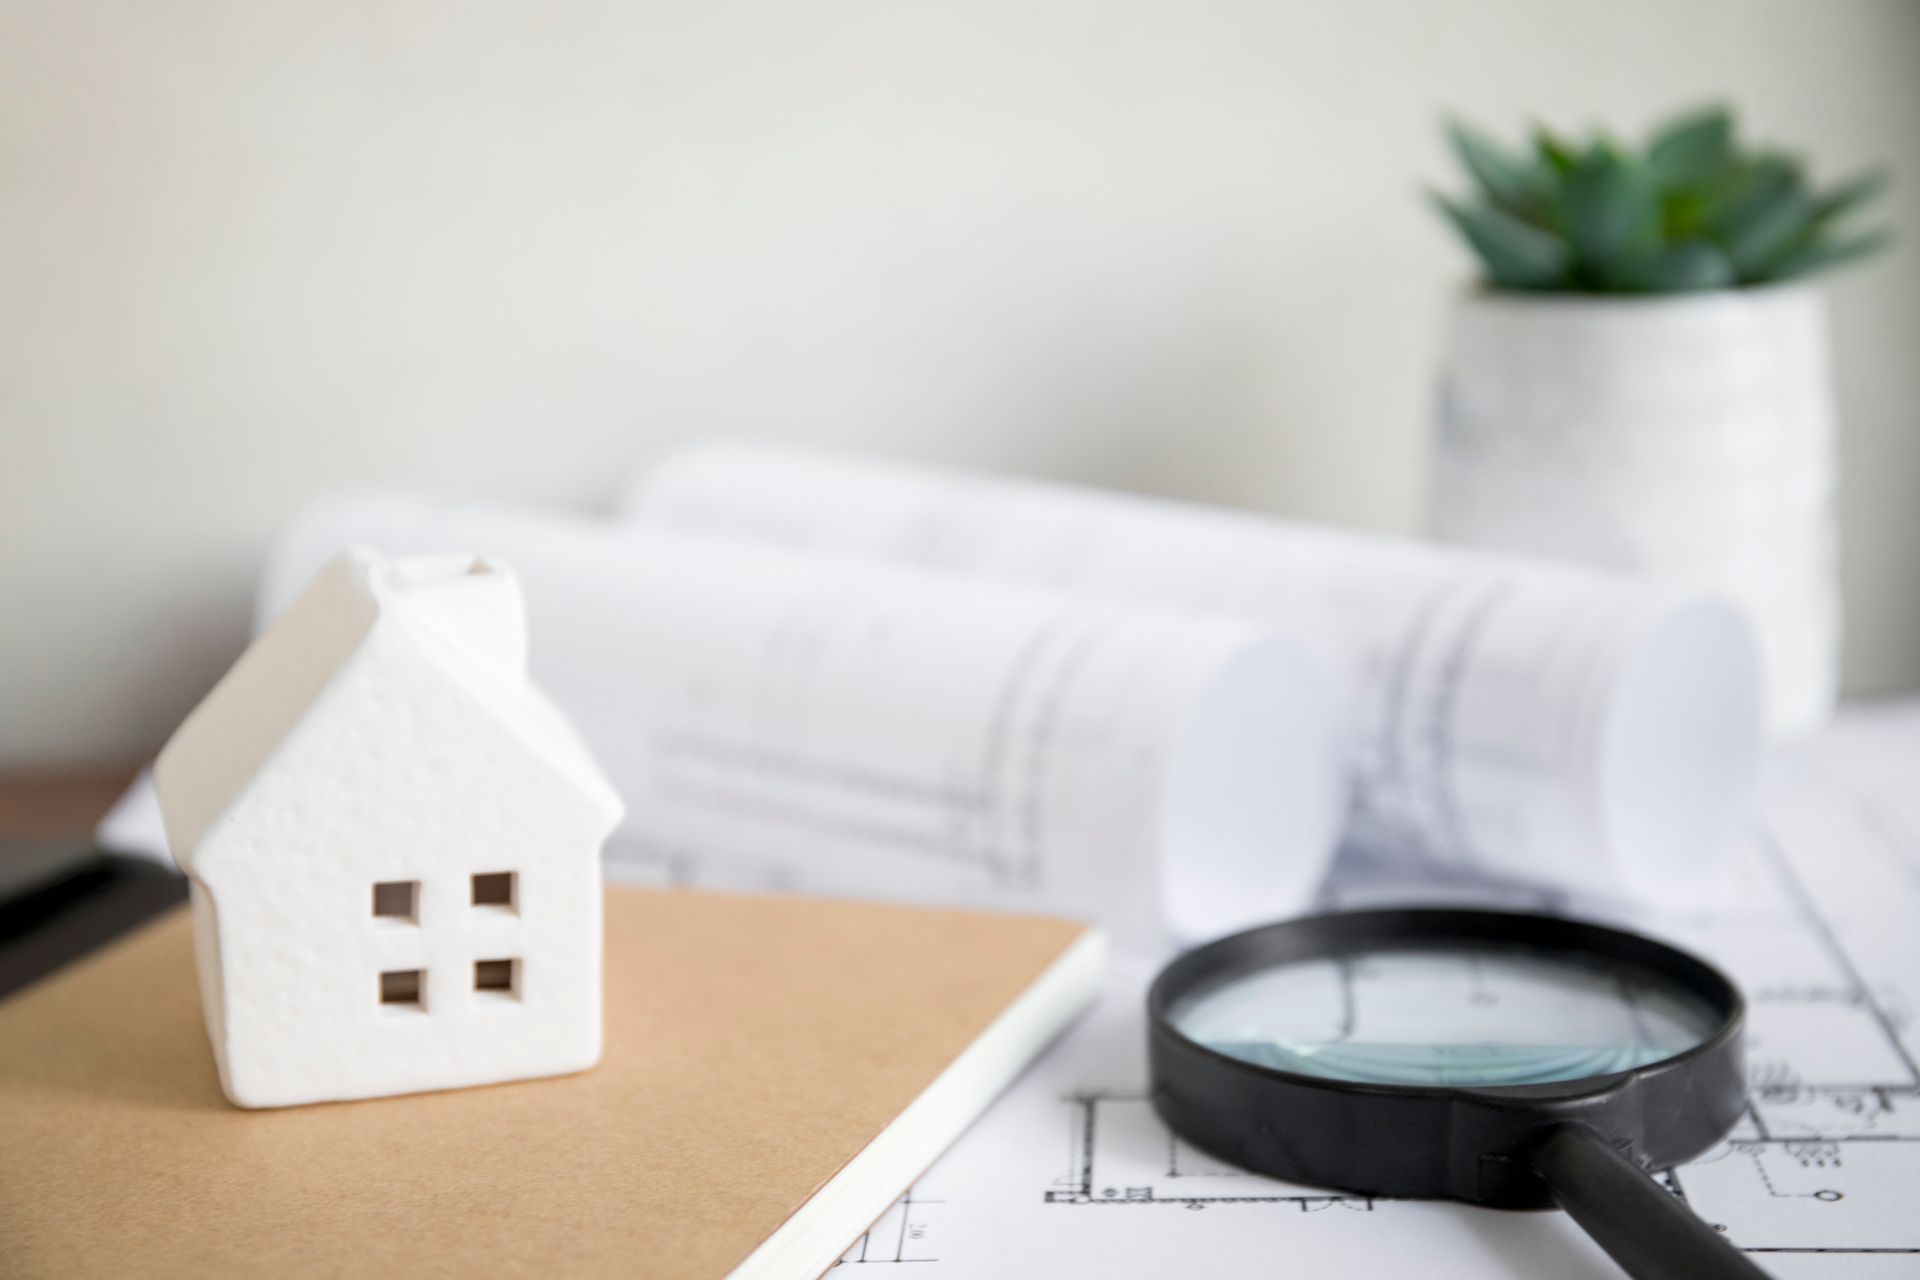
<point>1509,1060</point>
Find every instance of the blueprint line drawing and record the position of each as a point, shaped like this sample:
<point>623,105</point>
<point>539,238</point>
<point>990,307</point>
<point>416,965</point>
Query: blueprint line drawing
<point>903,1234</point>
<point>1182,1176</point>
<point>1072,1173</point>
<point>1482,686</point>
<point>1829,1146</point>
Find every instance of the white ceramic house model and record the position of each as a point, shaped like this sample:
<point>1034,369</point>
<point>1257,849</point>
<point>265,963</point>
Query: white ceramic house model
<point>393,841</point>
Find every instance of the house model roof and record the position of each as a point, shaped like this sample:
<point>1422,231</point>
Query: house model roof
<point>463,612</point>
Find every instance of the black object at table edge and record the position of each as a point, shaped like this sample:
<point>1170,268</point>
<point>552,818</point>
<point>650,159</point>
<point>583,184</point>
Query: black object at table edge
<point>85,902</point>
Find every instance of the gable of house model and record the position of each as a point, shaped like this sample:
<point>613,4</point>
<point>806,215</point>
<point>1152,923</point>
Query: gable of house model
<point>389,702</point>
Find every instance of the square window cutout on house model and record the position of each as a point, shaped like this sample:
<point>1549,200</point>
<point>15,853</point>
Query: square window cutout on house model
<point>444,928</point>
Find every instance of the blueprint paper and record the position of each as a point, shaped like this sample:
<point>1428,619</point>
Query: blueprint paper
<point>1515,717</point>
<point>1072,1174</point>
<point>871,732</point>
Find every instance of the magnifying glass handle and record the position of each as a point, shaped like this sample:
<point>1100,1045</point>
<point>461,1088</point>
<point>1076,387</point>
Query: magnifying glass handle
<point>1643,1226</point>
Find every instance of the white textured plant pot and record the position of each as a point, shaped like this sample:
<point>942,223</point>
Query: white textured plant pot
<point>1689,438</point>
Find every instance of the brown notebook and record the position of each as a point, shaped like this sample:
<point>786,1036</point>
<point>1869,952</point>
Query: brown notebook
<point>777,1070</point>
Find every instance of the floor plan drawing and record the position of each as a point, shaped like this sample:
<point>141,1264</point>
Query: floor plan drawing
<point>1121,1154</point>
<point>908,1232</point>
<point>1072,1173</point>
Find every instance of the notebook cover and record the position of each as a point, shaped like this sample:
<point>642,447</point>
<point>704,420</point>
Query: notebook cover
<point>753,1046</point>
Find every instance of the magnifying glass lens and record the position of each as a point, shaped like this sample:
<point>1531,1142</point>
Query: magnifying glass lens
<point>1461,1016</point>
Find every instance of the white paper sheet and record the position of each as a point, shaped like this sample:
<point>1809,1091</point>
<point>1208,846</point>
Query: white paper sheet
<point>1512,717</point>
<point>1071,1173</point>
<point>775,718</point>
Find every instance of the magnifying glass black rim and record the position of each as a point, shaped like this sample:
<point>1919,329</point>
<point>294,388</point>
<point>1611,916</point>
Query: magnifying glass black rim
<point>1465,1142</point>
<point>1334,934</point>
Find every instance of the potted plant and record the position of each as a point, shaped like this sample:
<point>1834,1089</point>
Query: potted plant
<point>1642,382</point>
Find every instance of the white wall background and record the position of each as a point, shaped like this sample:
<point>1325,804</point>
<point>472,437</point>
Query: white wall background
<point>250,251</point>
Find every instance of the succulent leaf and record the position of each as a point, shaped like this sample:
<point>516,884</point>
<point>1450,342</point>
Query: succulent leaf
<point>1848,196</point>
<point>1689,210</point>
<point>1683,266</point>
<point>1515,254</point>
<point>1692,150</point>
<point>1770,215</point>
<point>1508,183</point>
<point>1610,209</point>
<point>1684,211</point>
<point>1821,255</point>
<point>1554,152</point>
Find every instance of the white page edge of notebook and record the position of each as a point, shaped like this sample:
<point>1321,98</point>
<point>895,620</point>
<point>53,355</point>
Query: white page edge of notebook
<point>810,1241</point>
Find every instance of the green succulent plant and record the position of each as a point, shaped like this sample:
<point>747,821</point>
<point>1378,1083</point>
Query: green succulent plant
<point>1692,209</point>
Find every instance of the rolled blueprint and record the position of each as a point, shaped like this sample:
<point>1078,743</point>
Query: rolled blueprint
<point>777,720</point>
<point>1515,718</point>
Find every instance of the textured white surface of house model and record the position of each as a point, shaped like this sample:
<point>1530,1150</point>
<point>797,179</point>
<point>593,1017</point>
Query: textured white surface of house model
<point>393,841</point>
